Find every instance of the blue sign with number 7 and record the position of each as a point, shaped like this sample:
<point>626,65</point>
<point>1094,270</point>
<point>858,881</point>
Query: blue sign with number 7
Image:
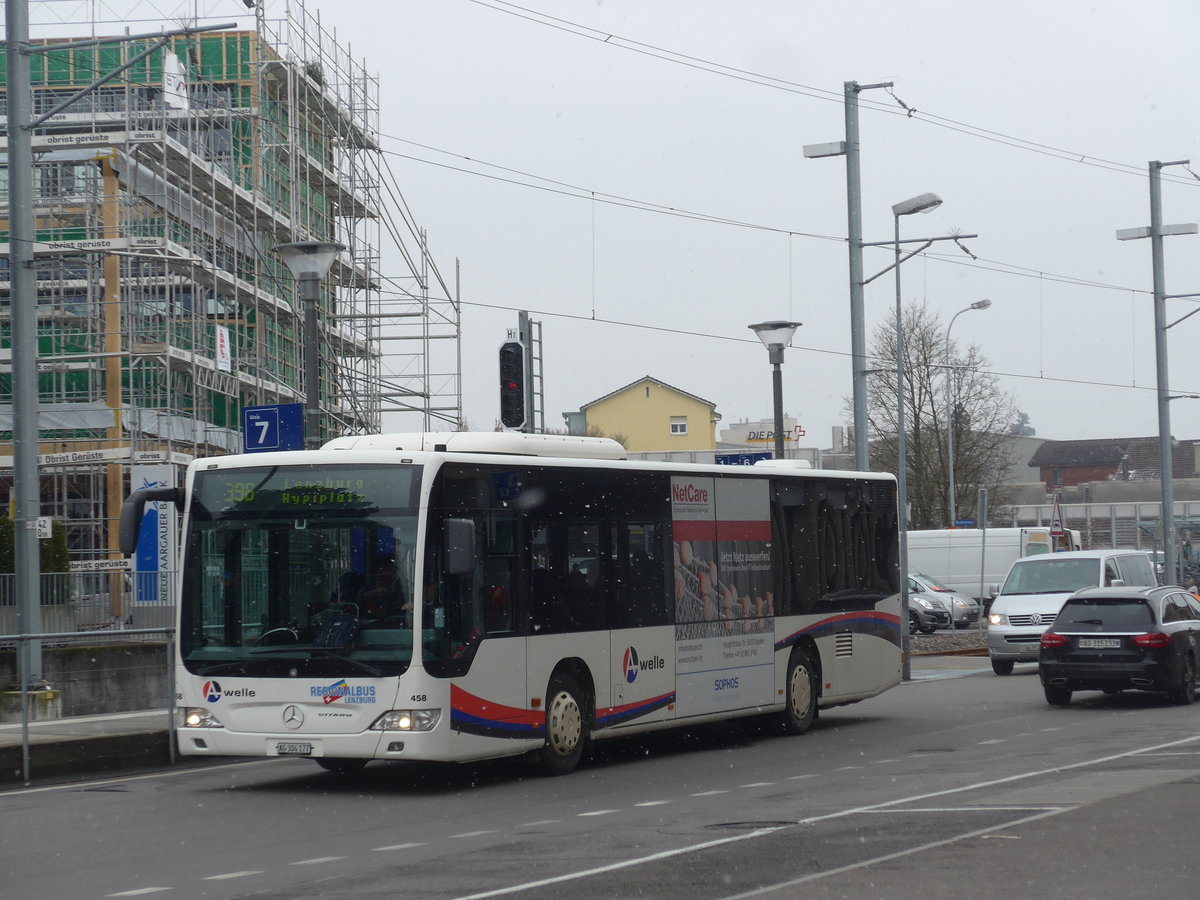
<point>277,427</point>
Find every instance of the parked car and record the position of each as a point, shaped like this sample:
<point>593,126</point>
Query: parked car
<point>926,613</point>
<point>1037,587</point>
<point>1114,639</point>
<point>964,610</point>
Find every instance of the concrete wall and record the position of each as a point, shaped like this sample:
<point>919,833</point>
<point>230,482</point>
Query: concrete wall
<point>100,679</point>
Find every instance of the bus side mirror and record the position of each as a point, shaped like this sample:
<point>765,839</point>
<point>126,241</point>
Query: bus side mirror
<point>459,537</point>
<point>134,508</point>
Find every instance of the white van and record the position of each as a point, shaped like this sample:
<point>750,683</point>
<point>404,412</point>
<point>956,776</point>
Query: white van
<point>1037,587</point>
<point>967,560</point>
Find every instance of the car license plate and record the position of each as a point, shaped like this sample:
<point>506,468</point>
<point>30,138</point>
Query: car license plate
<point>293,748</point>
<point>1099,643</point>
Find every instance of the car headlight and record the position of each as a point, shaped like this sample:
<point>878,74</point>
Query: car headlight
<point>195,717</point>
<point>922,602</point>
<point>408,720</point>
<point>997,619</point>
<point>960,602</point>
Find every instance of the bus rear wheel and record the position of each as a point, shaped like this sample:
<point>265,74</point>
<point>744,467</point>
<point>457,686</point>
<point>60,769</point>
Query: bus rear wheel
<point>801,705</point>
<point>566,726</point>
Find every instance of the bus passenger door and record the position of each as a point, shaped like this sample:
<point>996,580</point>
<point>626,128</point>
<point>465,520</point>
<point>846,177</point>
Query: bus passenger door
<point>642,640</point>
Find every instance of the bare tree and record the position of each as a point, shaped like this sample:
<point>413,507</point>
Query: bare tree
<point>936,377</point>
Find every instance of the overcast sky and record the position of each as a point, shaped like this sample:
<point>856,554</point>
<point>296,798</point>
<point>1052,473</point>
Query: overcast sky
<point>1034,121</point>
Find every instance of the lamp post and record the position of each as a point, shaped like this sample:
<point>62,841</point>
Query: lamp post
<point>775,337</point>
<point>951,394</point>
<point>919,204</point>
<point>309,262</point>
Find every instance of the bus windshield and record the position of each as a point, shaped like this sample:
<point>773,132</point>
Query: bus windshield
<point>300,570</point>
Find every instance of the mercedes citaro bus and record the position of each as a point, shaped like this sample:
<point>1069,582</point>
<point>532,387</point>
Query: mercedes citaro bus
<point>462,596</point>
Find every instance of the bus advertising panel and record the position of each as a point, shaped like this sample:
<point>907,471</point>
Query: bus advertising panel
<point>724,611</point>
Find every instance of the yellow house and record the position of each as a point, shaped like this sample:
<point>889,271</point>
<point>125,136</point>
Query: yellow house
<point>651,415</point>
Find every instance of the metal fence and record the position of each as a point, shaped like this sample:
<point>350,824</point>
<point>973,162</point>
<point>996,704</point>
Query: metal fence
<point>95,681</point>
<point>94,601</point>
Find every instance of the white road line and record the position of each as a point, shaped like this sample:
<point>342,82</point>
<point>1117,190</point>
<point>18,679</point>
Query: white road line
<point>668,854</point>
<point>141,892</point>
<point>227,875</point>
<point>613,867</point>
<point>597,812</point>
<point>471,834</point>
<point>799,777</point>
<point>966,809</point>
<point>398,847</point>
<point>759,784</point>
<point>540,822</point>
<point>653,803</point>
<point>841,870</point>
<point>166,773</point>
<point>317,860</point>
<point>709,793</point>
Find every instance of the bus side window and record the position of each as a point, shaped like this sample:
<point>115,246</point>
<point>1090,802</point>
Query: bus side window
<point>586,584</point>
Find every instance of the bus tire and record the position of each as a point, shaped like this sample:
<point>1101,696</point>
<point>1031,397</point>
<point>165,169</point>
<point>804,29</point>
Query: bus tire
<point>566,726</point>
<point>800,706</point>
<point>341,766</point>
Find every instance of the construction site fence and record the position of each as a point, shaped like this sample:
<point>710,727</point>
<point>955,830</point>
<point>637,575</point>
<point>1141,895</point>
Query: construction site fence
<point>93,601</point>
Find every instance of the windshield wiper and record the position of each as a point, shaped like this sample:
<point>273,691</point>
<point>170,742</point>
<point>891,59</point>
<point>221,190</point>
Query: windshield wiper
<point>321,652</point>
<point>225,667</point>
<point>358,664</point>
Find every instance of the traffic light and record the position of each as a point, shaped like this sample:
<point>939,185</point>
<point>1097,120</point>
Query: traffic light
<point>512,384</point>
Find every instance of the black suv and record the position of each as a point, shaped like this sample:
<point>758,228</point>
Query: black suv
<point>1113,639</point>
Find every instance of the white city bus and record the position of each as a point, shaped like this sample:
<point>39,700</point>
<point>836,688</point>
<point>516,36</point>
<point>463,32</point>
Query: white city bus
<point>462,596</point>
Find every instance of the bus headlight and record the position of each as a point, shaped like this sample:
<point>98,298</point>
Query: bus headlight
<point>408,720</point>
<point>195,717</point>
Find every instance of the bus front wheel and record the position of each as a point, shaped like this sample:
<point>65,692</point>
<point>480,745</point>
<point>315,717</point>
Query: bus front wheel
<point>566,726</point>
<point>801,706</point>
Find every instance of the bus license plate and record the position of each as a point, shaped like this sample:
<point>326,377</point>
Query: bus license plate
<point>293,748</point>
<point>1100,643</point>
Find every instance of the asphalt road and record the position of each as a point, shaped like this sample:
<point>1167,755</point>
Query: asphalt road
<point>953,785</point>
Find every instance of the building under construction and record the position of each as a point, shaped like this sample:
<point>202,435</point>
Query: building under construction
<point>163,309</point>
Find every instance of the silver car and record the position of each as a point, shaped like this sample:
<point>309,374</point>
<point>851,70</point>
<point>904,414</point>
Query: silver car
<point>964,610</point>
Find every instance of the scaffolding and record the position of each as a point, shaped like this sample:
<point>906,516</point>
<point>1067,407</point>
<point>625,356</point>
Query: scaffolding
<point>162,309</point>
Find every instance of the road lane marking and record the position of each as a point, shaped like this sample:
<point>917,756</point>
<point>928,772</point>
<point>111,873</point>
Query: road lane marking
<point>540,822</point>
<point>653,803</point>
<point>899,854</point>
<point>141,892</point>
<point>984,832</point>
<point>228,875</point>
<point>624,864</point>
<point>398,847</point>
<point>317,860</point>
<point>709,793</point>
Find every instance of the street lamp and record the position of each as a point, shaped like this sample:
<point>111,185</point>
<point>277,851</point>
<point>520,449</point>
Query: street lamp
<point>310,262</point>
<point>775,337</point>
<point>918,204</point>
<point>951,392</point>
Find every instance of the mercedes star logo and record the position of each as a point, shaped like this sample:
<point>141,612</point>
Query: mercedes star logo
<point>293,716</point>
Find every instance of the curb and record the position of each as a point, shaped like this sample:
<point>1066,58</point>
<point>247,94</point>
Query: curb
<point>86,756</point>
